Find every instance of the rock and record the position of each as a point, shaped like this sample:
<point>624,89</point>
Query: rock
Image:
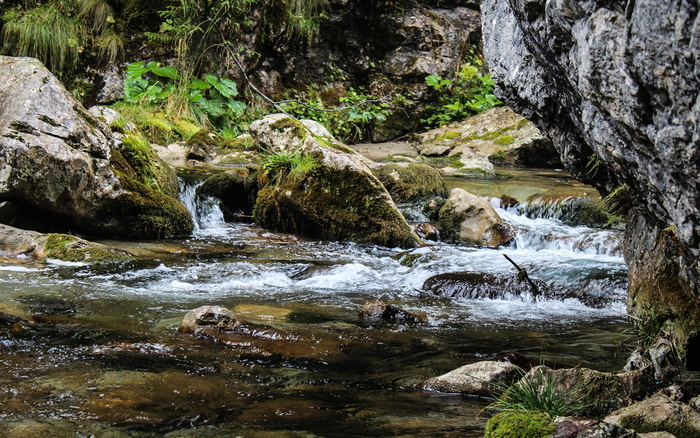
<point>411,182</point>
<point>426,231</point>
<point>199,146</point>
<point>499,134</point>
<point>390,313</point>
<point>334,196</point>
<point>56,162</point>
<point>471,220</point>
<point>209,317</point>
<point>8,321</point>
<point>236,193</point>
<point>19,243</point>
<point>112,88</point>
<point>615,88</point>
<point>662,412</point>
<point>575,427</point>
<point>472,285</point>
<point>468,160</point>
<point>594,392</point>
<point>486,378</point>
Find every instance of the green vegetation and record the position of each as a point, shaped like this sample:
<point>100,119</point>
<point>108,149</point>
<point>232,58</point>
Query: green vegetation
<point>287,164</point>
<point>71,249</point>
<point>539,392</point>
<point>61,33</point>
<point>353,119</point>
<point>468,93</point>
<point>519,425</point>
<point>504,140</point>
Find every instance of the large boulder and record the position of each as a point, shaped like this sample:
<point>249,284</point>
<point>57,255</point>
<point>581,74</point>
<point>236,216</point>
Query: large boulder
<point>471,220</point>
<point>56,161</point>
<point>614,85</point>
<point>316,187</point>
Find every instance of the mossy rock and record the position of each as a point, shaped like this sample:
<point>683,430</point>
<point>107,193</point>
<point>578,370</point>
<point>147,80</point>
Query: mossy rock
<point>141,213</point>
<point>137,159</point>
<point>73,249</point>
<point>236,193</point>
<point>333,204</point>
<point>519,425</point>
<point>412,182</point>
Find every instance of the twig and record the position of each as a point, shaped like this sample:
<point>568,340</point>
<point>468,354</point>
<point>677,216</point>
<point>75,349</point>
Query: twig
<point>522,275</point>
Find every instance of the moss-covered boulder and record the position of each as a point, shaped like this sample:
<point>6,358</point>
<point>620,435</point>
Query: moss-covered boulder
<point>316,187</point>
<point>59,164</point>
<point>411,182</point>
<point>15,242</point>
<point>236,193</point>
<point>471,220</point>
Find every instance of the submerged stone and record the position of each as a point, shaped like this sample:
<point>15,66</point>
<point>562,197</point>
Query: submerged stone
<point>387,312</point>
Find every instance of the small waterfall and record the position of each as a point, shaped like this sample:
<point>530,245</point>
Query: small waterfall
<point>205,210</point>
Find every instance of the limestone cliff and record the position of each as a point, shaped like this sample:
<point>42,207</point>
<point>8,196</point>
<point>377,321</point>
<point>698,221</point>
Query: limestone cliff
<point>615,86</point>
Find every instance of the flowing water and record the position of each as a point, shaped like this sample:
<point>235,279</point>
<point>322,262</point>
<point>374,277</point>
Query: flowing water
<point>104,357</point>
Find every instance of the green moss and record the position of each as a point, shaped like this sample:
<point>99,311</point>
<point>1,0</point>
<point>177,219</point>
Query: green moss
<point>333,204</point>
<point>142,213</point>
<point>297,128</point>
<point>457,164</point>
<point>137,159</point>
<point>411,183</point>
<point>333,145</point>
<point>449,135</point>
<point>504,140</point>
<point>71,249</point>
<point>519,425</point>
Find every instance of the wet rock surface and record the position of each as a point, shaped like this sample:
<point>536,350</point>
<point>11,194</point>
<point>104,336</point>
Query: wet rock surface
<point>486,378</point>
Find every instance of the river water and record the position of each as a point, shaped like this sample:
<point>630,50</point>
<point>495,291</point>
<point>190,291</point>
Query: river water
<point>104,357</point>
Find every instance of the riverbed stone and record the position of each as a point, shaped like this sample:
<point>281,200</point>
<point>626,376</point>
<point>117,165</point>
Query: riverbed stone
<point>577,427</point>
<point>210,317</point>
<point>471,220</point>
<point>665,411</point>
<point>615,88</point>
<point>236,192</point>
<point>336,197</point>
<point>485,378</point>
<point>57,162</point>
<point>378,309</point>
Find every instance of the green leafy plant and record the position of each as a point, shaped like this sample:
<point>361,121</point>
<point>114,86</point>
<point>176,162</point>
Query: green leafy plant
<point>468,93</point>
<point>354,119</point>
<point>175,99</point>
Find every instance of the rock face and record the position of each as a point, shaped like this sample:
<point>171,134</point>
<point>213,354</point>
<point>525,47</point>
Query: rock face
<point>411,182</point>
<point>615,87</point>
<point>470,219</point>
<point>322,189</point>
<point>55,160</point>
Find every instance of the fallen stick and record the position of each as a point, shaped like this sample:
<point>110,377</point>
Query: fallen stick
<point>522,275</point>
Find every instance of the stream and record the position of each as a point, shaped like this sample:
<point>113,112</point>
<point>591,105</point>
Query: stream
<point>104,357</point>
